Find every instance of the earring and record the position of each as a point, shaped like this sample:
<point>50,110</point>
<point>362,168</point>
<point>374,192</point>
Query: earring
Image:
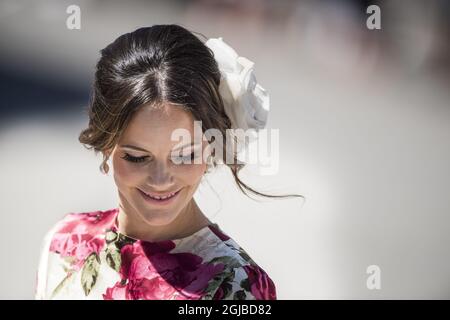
<point>106,167</point>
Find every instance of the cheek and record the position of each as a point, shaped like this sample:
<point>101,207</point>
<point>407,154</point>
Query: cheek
<point>189,174</point>
<point>125,174</point>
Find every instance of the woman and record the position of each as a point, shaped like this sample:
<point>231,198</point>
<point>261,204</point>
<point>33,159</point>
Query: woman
<point>157,244</point>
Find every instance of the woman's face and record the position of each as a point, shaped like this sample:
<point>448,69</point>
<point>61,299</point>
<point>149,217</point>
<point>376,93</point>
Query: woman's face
<point>143,164</point>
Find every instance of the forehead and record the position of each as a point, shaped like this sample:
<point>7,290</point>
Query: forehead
<point>158,121</point>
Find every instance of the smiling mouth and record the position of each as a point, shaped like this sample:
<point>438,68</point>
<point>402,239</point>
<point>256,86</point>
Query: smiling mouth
<point>159,197</point>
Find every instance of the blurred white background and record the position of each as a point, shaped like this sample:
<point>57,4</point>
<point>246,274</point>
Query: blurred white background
<point>364,122</point>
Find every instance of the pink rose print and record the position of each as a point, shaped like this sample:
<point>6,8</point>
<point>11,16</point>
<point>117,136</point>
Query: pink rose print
<point>151,272</point>
<point>81,234</point>
<point>262,287</point>
<point>118,292</point>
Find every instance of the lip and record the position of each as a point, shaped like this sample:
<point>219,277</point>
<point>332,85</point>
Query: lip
<point>159,202</point>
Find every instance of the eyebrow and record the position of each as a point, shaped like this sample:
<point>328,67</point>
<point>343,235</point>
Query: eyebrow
<point>129,146</point>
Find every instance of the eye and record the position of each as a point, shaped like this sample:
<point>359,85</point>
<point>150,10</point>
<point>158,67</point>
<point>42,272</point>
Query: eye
<point>190,158</point>
<point>130,158</point>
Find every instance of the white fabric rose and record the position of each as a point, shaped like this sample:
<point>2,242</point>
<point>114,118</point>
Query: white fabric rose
<point>246,102</point>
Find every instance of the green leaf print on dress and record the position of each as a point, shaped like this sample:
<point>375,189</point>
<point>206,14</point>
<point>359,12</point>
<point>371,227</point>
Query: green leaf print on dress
<point>89,272</point>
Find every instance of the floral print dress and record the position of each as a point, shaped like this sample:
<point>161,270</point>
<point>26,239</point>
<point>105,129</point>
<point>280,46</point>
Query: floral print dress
<point>85,257</point>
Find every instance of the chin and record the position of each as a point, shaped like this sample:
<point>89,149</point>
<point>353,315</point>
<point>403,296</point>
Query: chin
<point>157,217</point>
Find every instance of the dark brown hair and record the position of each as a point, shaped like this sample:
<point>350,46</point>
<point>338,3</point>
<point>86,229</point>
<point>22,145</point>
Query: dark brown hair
<point>156,65</point>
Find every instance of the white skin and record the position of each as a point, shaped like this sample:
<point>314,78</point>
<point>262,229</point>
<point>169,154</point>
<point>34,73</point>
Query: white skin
<point>150,129</point>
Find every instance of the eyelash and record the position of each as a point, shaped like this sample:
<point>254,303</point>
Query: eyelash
<point>130,158</point>
<point>134,159</point>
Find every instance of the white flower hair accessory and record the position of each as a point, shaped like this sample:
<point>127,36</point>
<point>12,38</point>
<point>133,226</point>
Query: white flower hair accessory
<point>246,102</point>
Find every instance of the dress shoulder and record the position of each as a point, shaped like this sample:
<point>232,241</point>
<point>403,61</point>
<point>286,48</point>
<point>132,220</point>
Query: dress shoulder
<point>248,282</point>
<point>243,278</point>
<point>59,239</point>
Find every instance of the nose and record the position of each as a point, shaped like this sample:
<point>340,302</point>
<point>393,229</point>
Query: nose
<point>159,177</point>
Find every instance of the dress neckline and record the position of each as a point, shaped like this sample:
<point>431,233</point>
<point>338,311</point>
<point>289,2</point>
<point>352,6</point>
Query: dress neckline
<point>177,240</point>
